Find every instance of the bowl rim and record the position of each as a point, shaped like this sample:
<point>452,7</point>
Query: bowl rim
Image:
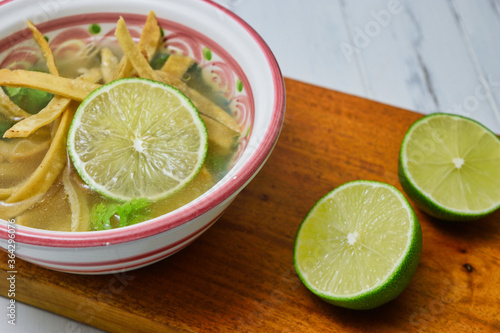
<point>182,215</point>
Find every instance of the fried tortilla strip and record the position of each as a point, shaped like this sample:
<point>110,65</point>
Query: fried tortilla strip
<point>10,151</point>
<point>37,216</point>
<point>52,164</point>
<point>9,109</point>
<point>123,70</point>
<point>24,149</point>
<point>48,114</point>
<point>150,39</point>
<point>177,64</point>
<point>220,138</point>
<point>44,45</point>
<point>93,75</point>
<point>71,88</point>
<point>203,104</point>
<point>13,210</point>
<point>109,64</point>
<point>6,192</point>
<point>133,53</point>
<point>80,216</point>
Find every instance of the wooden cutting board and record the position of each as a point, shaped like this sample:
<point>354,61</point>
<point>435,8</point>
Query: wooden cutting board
<point>239,275</point>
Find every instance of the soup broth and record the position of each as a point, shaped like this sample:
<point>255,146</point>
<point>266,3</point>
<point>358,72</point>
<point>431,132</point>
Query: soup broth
<point>70,204</point>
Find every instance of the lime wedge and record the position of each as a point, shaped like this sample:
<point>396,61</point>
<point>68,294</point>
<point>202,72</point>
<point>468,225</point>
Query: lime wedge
<point>136,138</point>
<point>359,246</point>
<point>450,166</point>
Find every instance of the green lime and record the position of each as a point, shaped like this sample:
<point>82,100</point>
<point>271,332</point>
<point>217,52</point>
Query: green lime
<point>136,138</point>
<point>359,246</point>
<point>450,166</point>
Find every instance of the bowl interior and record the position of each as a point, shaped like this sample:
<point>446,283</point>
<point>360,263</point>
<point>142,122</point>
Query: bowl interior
<point>238,62</point>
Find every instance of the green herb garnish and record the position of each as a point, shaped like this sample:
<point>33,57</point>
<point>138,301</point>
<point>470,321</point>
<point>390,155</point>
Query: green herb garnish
<point>159,60</point>
<point>5,124</point>
<point>107,216</point>
<point>30,100</point>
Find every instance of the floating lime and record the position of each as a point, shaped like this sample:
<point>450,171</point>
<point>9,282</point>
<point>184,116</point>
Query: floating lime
<point>136,138</point>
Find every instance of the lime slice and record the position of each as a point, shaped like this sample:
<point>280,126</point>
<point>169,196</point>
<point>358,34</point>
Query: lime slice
<point>136,138</point>
<point>359,246</point>
<point>450,166</point>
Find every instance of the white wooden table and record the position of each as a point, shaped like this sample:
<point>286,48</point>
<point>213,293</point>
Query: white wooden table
<point>426,56</point>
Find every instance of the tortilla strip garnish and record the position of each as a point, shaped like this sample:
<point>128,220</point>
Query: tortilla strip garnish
<point>9,109</point>
<point>52,164</point>
<point>47,53</point>
<point>133,53</point>
<point>80,216</point>
<point>177,65</point>
<point>13,210</point>
<point>203,104</point>
<point>109,64</point>
<point>71,88</point>
<point>23,149</point>
<point>93,75</point>
<point>14,150</point>
<point>6,192</point>
<point>150,38</point>
<point>48,114</point>
<point>220,137</point>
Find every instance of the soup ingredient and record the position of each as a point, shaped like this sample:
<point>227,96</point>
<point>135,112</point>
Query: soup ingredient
<point>9,109</point>
<point>222,134</point>
<point>70,88</point>
<point>48,114</point>
<point>44,45</point>
<point>50,167</point>
<point>128,213</point>
<point>159,60</point>
<point>109,64</point>
<point>133,52</point>
<point>5,124</point>
<point>144,69</point>
<point>30,100</point>
<point>359,246</point>
<point>33,100</point>
<point>450,166</point>
<point>148,43</point>
<point>209,108</point>
<point>177,65</point>
<point>136,138</point>
<point>77,200</point>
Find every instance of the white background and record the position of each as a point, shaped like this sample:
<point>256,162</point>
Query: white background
<point>425,55</point>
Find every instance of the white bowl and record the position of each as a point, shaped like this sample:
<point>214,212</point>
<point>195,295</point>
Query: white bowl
<point>234,44</point>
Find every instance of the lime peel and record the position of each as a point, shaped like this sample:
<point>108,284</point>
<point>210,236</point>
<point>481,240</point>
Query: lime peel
<point>449,165</point>
<point>137,138</point>
<point>341,252</point>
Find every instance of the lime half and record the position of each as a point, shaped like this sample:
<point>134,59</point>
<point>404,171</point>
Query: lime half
<point>136,138</point>
<point>450,166</point>
<point>359,246</point>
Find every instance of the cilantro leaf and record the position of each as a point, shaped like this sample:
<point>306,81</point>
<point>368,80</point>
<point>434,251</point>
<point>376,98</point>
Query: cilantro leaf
<point>128,213</point>
<point>30,100</point>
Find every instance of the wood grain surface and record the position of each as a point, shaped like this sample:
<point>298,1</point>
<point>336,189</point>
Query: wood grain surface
<point>239,275</point>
